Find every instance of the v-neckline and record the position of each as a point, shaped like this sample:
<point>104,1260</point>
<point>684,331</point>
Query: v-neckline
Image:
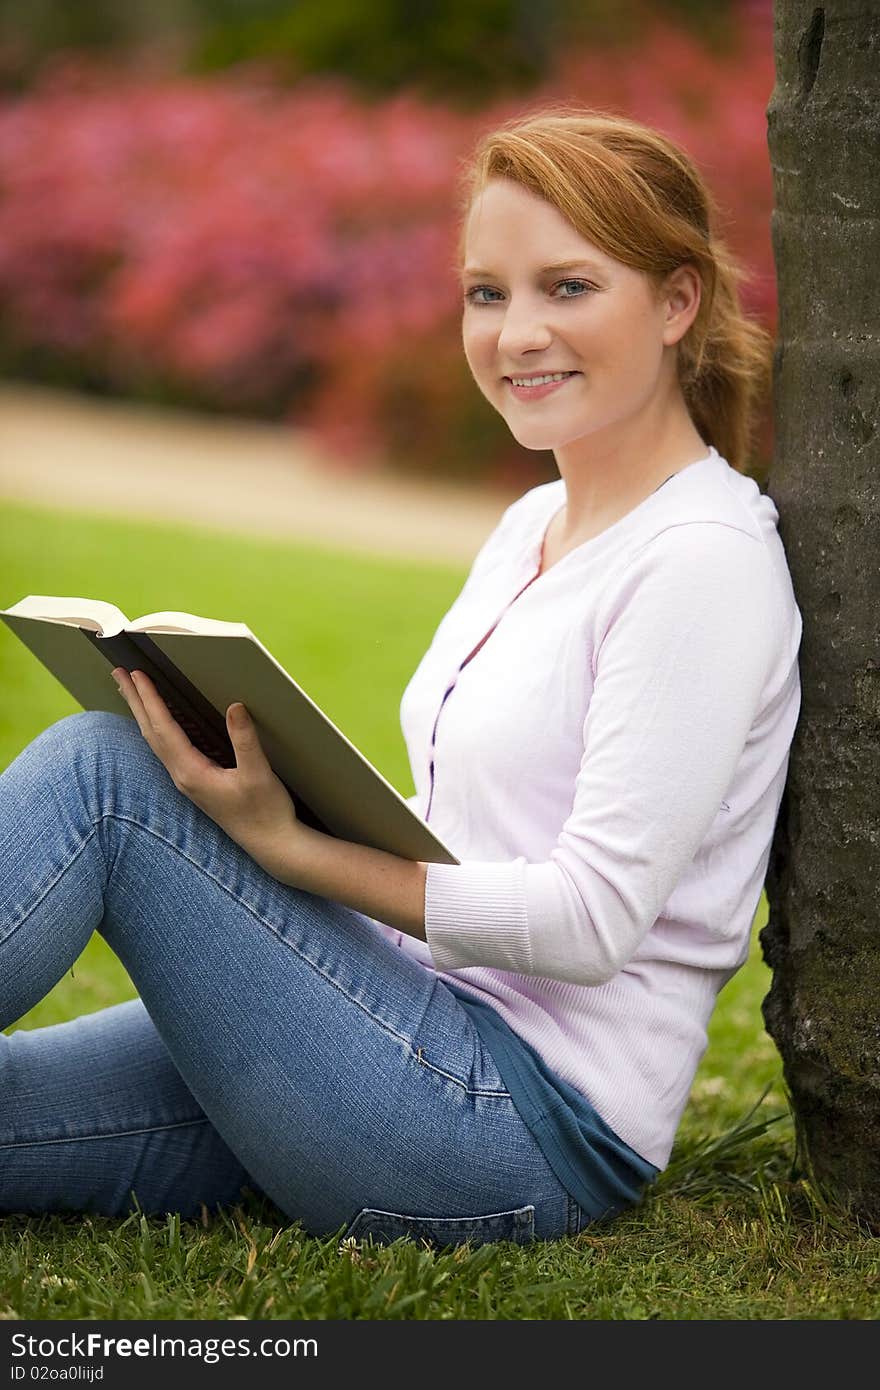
<point>535,552</point>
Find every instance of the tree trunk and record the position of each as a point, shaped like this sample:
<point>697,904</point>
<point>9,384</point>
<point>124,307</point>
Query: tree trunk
<point>822,941</point>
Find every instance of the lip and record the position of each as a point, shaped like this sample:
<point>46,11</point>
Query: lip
<point>536,393</point>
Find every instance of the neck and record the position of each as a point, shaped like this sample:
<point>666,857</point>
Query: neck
<point>609,472</point>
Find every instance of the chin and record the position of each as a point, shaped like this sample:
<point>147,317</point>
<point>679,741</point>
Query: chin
<point>537,439</point>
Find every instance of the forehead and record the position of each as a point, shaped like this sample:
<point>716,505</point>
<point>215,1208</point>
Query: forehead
<point>507,223</point>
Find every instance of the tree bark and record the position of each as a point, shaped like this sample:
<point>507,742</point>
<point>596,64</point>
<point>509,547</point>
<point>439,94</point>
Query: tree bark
<point>822,940</point>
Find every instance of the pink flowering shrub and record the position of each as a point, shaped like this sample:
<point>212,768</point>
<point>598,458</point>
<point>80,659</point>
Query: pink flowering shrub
<point>231,244</point>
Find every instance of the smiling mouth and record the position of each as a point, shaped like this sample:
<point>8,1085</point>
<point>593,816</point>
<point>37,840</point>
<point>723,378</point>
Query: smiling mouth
<point>541,379</point>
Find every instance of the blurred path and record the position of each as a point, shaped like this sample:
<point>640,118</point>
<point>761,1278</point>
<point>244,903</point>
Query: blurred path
<point>70,451</point>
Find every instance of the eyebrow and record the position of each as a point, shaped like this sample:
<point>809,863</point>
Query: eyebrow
<point>545,270</point>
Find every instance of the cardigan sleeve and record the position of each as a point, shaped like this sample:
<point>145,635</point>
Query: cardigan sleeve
<point>685,641</point>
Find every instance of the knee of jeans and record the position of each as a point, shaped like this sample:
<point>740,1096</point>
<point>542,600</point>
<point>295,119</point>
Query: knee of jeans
<point>107,758</point>
<point>91,726</point>
<point>101,737</point>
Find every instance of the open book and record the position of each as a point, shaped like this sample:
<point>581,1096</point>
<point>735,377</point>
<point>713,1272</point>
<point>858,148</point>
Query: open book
<point>200,666</point>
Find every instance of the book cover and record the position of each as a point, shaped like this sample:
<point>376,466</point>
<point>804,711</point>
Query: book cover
<point>200,666</point>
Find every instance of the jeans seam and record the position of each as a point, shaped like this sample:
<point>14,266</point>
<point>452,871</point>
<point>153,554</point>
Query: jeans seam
<point>49,886</point>
<point>106,1134</point>
<point>502,1095</point>
<point>574,1216</point>
<point>200,868</point>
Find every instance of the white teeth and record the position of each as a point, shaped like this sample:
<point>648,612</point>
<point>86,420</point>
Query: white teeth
<point>539,380</point>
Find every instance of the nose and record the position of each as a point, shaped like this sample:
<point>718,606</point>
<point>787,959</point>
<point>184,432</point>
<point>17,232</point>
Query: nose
<point>522,330</point>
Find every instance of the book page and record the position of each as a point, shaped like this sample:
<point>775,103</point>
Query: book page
<point>187,622</point>
<point>90,613</point>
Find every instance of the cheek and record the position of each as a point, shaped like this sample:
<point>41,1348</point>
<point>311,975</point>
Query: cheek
<point>480,343</point>
<point>642,330</point>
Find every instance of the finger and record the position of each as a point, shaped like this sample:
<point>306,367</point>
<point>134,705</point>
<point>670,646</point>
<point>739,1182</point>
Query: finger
<point>242,730</point>
<point>255,773</point>
<point>129,693</point>
<point>163,733</point>
<point>157,712</point>
<point>249,754</point>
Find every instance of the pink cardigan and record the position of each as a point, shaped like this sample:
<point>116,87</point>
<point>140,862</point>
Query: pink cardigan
<point>608,765</point>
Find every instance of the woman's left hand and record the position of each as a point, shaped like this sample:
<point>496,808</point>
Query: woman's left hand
<point>248,801</point>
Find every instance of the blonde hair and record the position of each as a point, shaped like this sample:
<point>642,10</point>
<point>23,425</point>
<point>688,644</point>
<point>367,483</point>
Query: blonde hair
<point>637,196</point>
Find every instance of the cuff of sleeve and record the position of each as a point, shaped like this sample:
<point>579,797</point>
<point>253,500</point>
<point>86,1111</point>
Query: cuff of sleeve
<point>475,915</point>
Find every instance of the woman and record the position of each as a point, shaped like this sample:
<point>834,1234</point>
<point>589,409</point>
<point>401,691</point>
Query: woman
<point>499,1049</point>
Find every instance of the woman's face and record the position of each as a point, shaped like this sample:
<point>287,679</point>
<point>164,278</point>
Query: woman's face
<point>527,312</point>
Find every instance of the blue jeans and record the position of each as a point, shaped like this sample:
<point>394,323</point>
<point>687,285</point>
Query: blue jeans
<point>279,1041</point>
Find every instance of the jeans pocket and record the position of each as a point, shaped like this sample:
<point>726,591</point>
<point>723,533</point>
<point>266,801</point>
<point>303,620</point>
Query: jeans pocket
<point>517,1225</point>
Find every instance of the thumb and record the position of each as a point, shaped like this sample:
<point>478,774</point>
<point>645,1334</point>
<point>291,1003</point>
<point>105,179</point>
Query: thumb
<point>242,730</point>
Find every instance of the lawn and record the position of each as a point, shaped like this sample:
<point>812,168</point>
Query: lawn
<point>733,1229</point>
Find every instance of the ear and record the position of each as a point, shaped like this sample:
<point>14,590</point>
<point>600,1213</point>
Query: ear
<point>682,300</point>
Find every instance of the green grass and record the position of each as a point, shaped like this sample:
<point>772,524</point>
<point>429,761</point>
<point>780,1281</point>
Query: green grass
<point>731,1230</point>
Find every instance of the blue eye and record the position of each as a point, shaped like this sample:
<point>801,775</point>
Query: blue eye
<point>471,295</point>
<point>480,289</point>
<point>582,283</point>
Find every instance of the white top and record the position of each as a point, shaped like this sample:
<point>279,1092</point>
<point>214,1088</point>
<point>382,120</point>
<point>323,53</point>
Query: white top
<point>609,767</point>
